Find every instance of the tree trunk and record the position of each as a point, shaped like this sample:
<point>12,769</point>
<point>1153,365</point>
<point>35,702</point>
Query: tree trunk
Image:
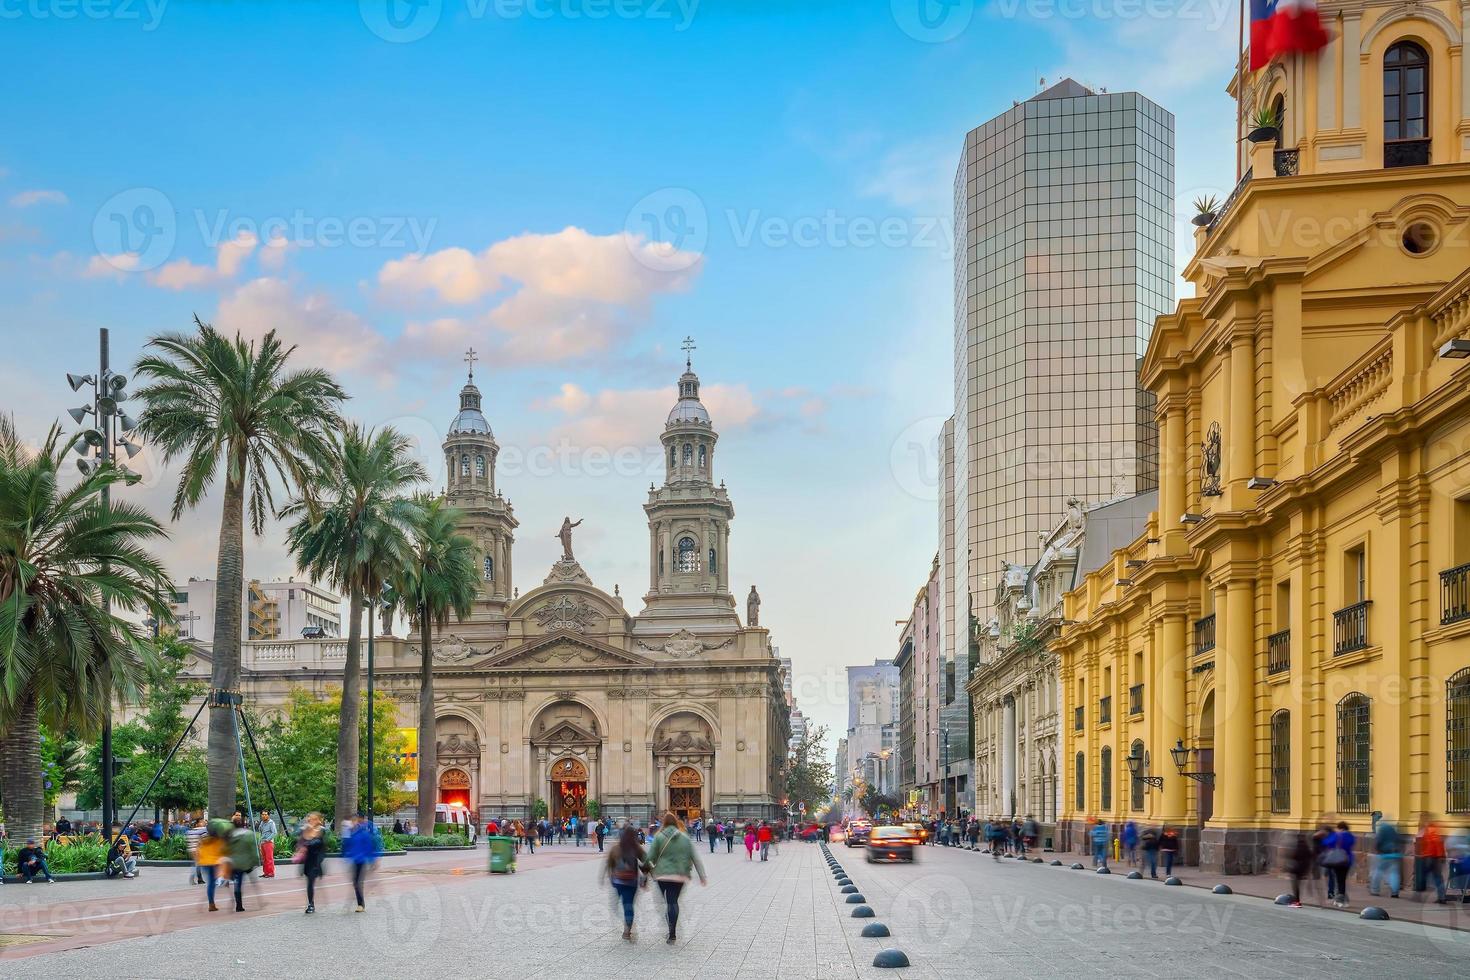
<point>348,735</point>
<point>21,783</point>
<point>223,760</point>
<point>428,747</point>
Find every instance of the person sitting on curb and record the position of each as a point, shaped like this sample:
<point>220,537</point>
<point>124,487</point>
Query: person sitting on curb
<point>31,861</point>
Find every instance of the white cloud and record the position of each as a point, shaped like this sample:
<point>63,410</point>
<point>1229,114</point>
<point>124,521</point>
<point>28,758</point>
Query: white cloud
<point>326,334</point>
<point>619,268</point>
<point>110,266</point>
<point>230,256</point>
<point>27,199</point>
<point>617,417</point>
<point>553,298</point>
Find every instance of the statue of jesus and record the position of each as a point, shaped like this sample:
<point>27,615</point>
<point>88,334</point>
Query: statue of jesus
<point>566,538</point>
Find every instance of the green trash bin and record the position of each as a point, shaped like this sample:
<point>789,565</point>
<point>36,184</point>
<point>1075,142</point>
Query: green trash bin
<point>502,855</point>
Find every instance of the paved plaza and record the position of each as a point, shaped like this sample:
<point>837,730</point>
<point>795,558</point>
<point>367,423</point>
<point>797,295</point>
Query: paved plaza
<point>953,913</point>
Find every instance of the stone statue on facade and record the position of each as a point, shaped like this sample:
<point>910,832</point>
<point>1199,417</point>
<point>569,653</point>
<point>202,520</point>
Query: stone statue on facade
<point>753,608</point>
<point>566,538</point>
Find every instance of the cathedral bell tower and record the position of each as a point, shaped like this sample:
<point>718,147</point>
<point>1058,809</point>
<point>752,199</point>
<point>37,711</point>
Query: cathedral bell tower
<point>469,455</point>
<point>689,517</point>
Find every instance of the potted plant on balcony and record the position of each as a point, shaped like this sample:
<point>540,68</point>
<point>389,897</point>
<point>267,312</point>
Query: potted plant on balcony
<point>1267,126</point>
<point>1206,207</point>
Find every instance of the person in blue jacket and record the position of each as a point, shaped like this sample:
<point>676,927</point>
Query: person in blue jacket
<point>1337,860</point>
<point>360,849</point>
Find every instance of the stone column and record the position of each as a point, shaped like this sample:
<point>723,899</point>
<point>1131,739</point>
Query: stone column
<point>1240,451</point>
<point>1169,700</point>
<point>1235,716</point>
<point>1173,466</point>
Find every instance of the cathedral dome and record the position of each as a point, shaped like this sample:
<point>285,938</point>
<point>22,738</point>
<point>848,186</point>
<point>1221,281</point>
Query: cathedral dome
<point>689,408</point>
<point>470,419</point>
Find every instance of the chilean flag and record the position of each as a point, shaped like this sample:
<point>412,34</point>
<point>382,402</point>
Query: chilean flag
<point>1283,26</point>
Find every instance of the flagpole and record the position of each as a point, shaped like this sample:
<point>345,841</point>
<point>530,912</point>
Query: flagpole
<point>1239,87</point>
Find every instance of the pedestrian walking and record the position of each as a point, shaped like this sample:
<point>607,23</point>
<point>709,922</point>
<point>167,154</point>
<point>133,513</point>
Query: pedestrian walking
<point>311,854</point>
<point>764,837</point>
<point>625,866</point>
<point>715,833</point>
<point>1388,854</point>
<point>749,842</point>
<point>1429,856</point>
<point>1337,861</point>
<point>730,837</point>
<point>1169,848</point>
<point>529,833</point>
<point>1130,842</point>
<point>214,858</point>
<point>673,858</point>
<point>192,838</point>
<point>1298,865</point>
<point>1099,838</point>
<point>1030,832</point>
<point>267,831</point>
<point>244,855</point>
<point>1148,843</point>
<point>360,848</point>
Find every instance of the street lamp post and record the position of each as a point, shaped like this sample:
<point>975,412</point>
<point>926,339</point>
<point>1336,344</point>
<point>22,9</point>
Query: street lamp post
<point>372,605</point>
<point>102,442</point>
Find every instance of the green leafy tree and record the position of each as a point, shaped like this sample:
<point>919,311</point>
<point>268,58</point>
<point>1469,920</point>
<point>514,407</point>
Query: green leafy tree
<point>63,657</point>
<point>300,753</point>
<point>234,409</point>
<point>145,743</point>
<point>352,528</point>
<point>439,579</point>
<point>808,772</point>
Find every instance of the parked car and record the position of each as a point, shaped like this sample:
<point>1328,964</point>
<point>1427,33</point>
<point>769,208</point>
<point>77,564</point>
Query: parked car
<point>891,844</point>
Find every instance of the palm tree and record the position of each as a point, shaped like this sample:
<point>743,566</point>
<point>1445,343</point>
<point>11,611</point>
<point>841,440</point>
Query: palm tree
<point>232,408</point>
<point>63,656</point>
<point>440,578</point>
<point>352,529</point>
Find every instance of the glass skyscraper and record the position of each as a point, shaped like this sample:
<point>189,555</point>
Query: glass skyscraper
<point>1064,256</point>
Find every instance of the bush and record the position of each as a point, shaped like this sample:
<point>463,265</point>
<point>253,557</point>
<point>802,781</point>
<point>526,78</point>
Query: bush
<point>84,855</point>
<point>174,847</point>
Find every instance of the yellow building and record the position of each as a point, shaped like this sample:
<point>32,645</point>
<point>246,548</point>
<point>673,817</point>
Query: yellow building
<point>1295,623</point>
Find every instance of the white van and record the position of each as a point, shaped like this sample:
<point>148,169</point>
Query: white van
<point>458,816</point>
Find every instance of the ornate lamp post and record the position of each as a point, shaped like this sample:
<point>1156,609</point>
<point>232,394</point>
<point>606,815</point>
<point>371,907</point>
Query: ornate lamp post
<point>1138,766</point>
<point>1181,753</point>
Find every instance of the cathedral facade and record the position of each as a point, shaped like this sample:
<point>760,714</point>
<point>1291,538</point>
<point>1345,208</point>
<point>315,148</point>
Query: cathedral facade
<point>560,695</point>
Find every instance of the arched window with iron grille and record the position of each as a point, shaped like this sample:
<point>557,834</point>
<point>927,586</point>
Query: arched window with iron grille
<point>1354,753</point>
<point>1457,742</point>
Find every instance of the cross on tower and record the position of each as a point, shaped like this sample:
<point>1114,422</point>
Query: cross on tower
<point>688,348</point>
<point>470,358</point>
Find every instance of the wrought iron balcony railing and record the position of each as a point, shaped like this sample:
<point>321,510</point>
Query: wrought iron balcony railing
<point>1350,628</point>
<point>1454,594</point>
<point>1278,652</point>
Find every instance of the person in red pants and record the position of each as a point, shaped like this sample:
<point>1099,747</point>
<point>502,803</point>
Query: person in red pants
<point>267,831</point>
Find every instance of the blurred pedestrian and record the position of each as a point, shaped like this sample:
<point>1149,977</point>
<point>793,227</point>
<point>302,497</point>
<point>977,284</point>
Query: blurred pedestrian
<point>1148,843</point>
<point>1298,866</point>
<point>763,837</point>
<point>311,854</point>
<point>1130,842</point>
<point>1169,848</point>
<point>716,831</point>
<point>673,857</point>
<point>1429,855</point>
<point>213,858</point>
<point>625,866</point>
<point>1337,861</point>
<point>1100,838</point>
<point>192,838</point>
<point>1388,854</point>
<point>360,849</point>
<point>729,836</point>
<point>749,842</point>
<point>244,851</point>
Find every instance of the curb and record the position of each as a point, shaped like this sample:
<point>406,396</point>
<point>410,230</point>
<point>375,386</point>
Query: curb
<point>61,876</point>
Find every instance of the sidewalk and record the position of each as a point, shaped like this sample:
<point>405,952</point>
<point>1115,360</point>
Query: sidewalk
<point>1408,907</point>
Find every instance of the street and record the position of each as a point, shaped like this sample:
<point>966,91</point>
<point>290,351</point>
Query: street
<point>954,913</point>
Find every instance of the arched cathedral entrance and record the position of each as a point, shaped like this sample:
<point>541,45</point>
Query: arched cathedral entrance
<point>568,792</point>
<point>686,793</point>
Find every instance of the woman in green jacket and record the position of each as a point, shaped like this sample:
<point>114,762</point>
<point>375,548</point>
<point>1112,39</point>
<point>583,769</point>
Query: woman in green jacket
<point>673,856</point>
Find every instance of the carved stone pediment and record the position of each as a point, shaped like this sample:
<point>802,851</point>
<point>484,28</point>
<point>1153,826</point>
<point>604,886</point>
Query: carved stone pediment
<point>451,648</point>
<point>684,645</point>
<point>566,612</point>
<point>566,733</point>
<point>567,650</point>
<point>458,746</point>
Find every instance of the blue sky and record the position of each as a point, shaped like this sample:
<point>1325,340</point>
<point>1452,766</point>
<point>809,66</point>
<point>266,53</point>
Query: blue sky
<point>572,186</point>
